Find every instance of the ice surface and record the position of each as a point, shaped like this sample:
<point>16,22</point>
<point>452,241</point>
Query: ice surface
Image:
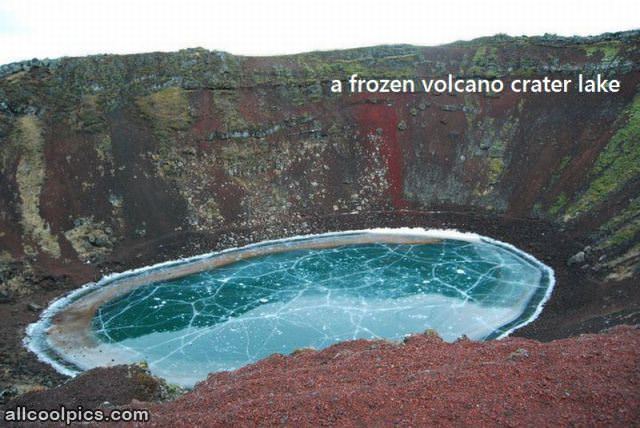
<point>233,315</point>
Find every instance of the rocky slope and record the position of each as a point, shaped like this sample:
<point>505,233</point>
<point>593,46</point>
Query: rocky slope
<point>590,380</point>
<point>109,162</point>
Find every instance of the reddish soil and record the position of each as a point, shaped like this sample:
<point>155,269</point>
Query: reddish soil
<point>587,380</point>
<point>117,385</point>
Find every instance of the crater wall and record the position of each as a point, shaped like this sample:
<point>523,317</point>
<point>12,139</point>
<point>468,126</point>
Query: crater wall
<point>108,157</point>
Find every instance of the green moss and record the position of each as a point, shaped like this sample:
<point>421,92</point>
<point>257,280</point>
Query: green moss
<point>628,214</point>
<point>431,332</point>
<point>485,62</point>
<point>558,205</point>
<point>625,265</point>
<point>559,170</point>
<point>623,228</point>
<point>496,166</point>
<point>497,150</point>
<point>608,50</point>
<point>616,165</point>
<point>491,140</point>
<point>209,212</point>
<point>480,57</point>
<point>499,146</point>
<point>226,105</point>
<point>624,235</point>
<point>317,67</point>
<point>172,391</point>
<point>88,116</point>
<point>472,106</point>
<point>168,109</point>
<point>564,162</point>
<point>103,148</point>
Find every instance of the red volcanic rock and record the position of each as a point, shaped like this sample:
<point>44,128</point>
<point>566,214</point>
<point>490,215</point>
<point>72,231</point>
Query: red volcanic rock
<point>586,380</point>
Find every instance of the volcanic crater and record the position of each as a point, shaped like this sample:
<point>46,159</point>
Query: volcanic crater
<point>113,162</point>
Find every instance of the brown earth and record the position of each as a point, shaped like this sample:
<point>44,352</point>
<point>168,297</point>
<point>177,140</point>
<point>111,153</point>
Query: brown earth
<point>589,380</point>
<point>100,387</point>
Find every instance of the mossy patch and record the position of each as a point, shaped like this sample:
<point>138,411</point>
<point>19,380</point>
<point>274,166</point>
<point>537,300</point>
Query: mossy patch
<point>30,176</point>
<point>168,109</point>
<point>317,68</point>
<point>628,214</point>
<point>608,50</point>
<point>226,105</point>
<point>625,265</point>
<point>16,278</point>
<point>617,164</point>
<point>103,148</point>
<point>485,62</point>
<point>90,239</point>
<point>88,117</point>
<point>494,141</point>
<point>623,228</point>
<point>558,205</point>
<point>495,169</point>
<point>624,235</point>
<point>564,162</point>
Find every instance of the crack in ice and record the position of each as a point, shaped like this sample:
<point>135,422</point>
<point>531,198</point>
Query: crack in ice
<point>319,297</point>
<point>227,316</point>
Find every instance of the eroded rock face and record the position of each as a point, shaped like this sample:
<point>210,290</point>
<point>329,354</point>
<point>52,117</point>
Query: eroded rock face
<point>104,157</point>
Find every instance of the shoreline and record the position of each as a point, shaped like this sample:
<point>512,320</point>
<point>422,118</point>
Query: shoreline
<point>541,239</point>
<point>63,337</point>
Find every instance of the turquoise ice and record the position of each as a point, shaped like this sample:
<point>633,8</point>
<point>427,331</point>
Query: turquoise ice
<point>233,315</point>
